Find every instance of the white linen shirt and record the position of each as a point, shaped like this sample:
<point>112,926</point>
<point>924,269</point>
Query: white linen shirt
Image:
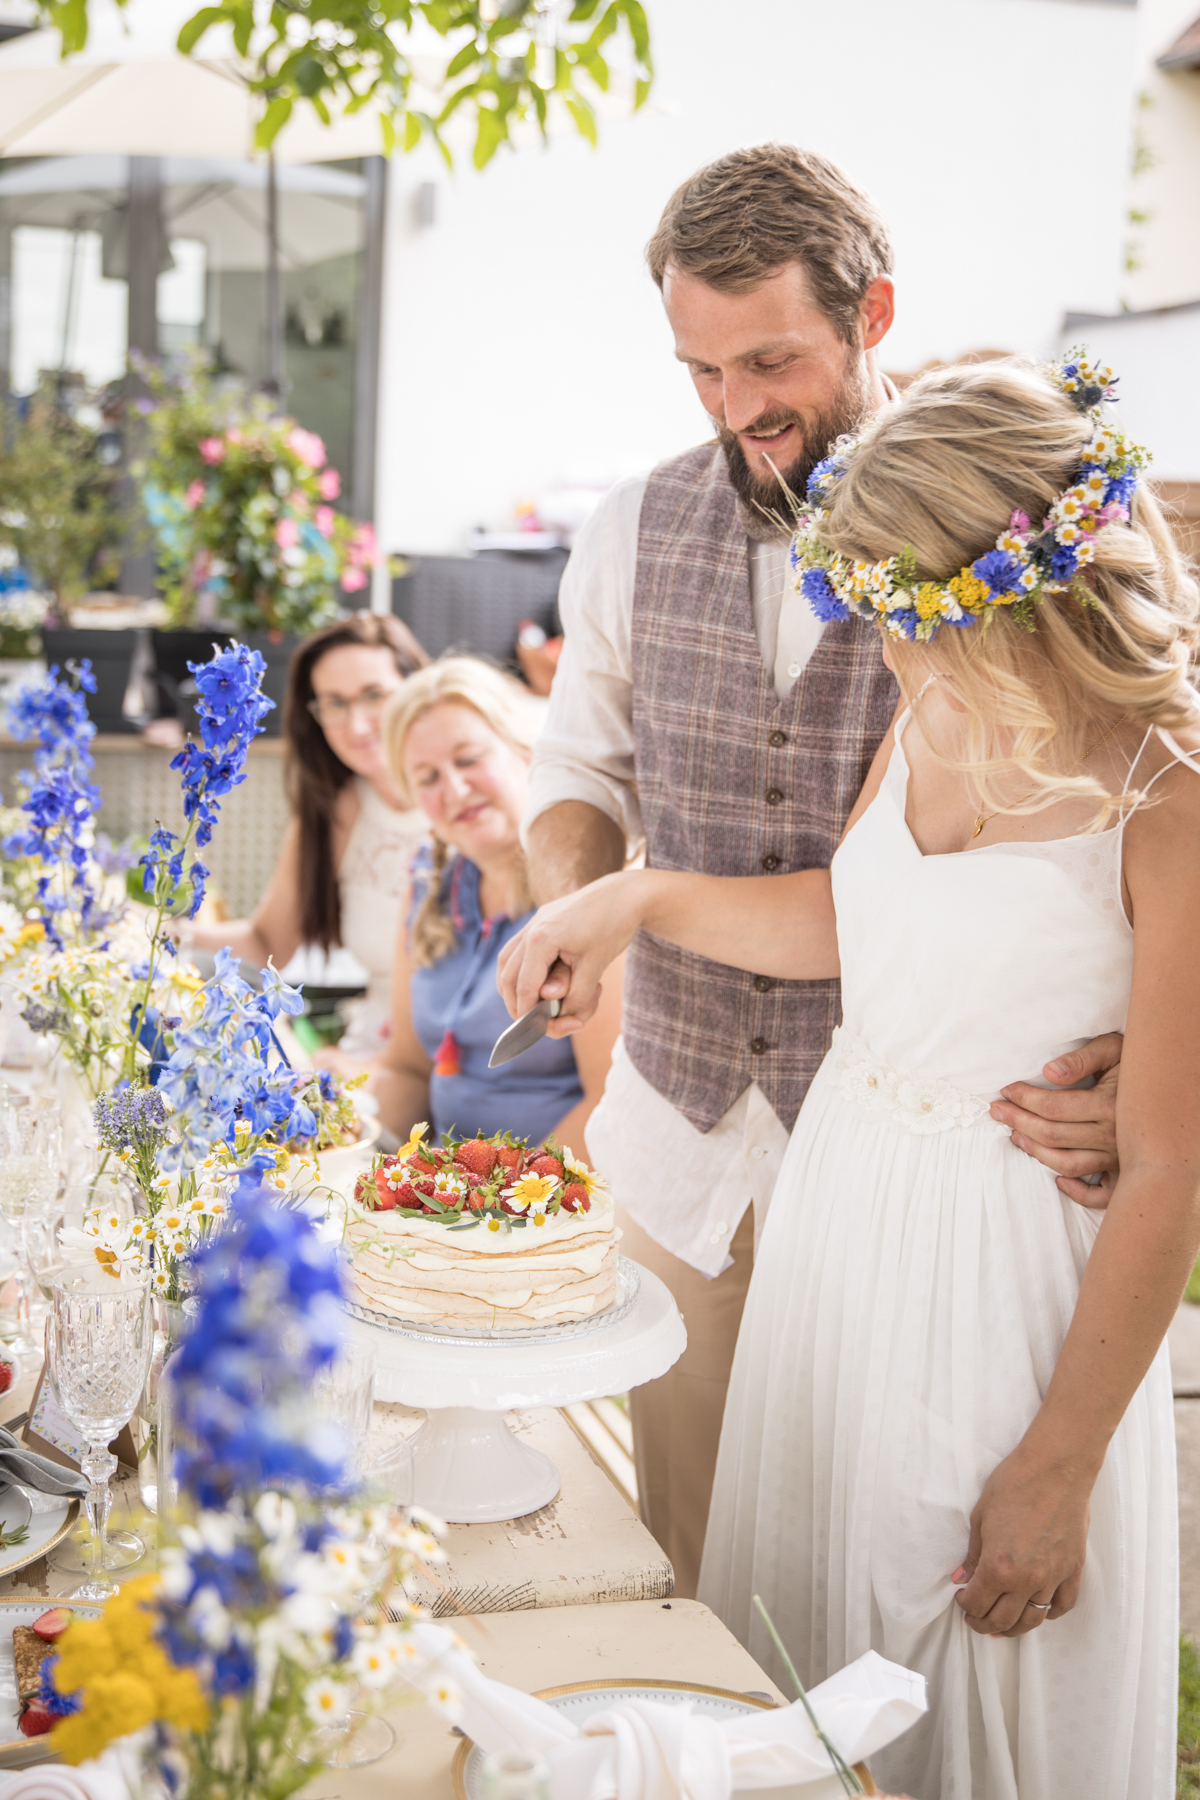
<point>689,1189</point>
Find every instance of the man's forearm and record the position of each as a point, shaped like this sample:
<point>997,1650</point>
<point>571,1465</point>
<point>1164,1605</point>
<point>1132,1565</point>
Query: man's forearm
<point>569,845</point>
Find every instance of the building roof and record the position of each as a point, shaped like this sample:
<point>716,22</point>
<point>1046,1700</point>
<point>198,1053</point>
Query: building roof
<point>1184,52</point>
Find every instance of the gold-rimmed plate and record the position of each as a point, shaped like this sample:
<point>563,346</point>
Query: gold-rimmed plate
<point>579,1700</point>
<point>16,1750</point>
<point>46,1531</point>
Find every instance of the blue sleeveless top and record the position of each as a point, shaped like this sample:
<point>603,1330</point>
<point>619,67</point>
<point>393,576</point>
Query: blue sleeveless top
<point>458,1014</point>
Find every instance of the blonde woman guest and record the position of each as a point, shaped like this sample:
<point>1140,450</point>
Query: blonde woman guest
<point>949,1428</point>
<point>342,871</point>
<point>458,738</point>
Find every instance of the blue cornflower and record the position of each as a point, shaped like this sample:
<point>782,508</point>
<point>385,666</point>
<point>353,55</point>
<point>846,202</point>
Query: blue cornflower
<point>818,590</point>
<point>59,1706</point>
<point>1121,488</point>
<point>1001,571</point>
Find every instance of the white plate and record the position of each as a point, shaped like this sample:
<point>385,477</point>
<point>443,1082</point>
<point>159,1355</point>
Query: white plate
<point>15,1749</point>
<point>46,1528</point>
<point>581,1700</point>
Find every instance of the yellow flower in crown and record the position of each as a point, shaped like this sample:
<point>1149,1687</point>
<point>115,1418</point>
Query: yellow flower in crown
<point>414,1139</point>
<point>530,1190</point>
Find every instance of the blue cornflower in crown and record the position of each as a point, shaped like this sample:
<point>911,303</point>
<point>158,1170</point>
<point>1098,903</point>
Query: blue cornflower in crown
<point>1026,564</point>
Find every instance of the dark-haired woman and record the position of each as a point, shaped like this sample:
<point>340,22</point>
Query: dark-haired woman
<point>342,871</point>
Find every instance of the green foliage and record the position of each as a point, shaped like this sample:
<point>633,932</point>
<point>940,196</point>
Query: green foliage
<point>506,58</point>
<point>1192,1290</point>
<point>1187,1779</point>
<point>59,499</point>
<point>240,502</point>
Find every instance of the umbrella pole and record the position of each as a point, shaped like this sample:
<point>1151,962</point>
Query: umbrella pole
<point>273,385</point>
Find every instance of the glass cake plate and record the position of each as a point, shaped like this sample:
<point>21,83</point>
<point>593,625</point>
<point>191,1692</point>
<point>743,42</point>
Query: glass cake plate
<point>629,1281</point>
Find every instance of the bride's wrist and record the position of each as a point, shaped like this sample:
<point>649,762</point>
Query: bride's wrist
<point>1063,1450</point>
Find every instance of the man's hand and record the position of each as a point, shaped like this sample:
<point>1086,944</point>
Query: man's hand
<point>1072,1132</point>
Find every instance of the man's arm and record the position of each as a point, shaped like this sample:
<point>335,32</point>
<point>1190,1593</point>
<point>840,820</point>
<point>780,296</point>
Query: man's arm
<point>568,846</point>
<point>1071,1130</point>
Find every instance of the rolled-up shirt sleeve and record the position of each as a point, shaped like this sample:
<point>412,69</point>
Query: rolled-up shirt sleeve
<point>585,749</point>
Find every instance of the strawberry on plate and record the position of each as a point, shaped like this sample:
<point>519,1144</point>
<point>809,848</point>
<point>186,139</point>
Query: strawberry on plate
<point>53,1623</point>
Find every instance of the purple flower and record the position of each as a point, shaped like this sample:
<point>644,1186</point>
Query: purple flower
<point>1001,571</point>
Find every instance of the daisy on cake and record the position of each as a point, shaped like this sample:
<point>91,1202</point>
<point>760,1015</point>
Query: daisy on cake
<point>484,1232</point>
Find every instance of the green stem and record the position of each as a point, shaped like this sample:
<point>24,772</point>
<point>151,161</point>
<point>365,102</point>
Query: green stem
<point>849,1780</point>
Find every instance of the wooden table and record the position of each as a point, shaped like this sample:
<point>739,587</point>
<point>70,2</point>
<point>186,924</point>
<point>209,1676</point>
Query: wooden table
<point>677,1640</point>
<point>587,1547</point>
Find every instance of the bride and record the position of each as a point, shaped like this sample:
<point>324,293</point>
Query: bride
<point>949,1429</point>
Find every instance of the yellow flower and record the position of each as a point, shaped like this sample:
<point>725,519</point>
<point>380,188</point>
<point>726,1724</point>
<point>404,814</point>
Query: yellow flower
<point>969,591</point>
<point>414,1139</point>
<point>530,1190</point>
<point>126,1678</point>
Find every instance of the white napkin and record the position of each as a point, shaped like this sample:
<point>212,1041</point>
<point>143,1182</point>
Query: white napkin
<point>641,1750</point>
<point>106,1778</point>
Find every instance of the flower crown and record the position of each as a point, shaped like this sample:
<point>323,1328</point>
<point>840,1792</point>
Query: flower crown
<point>1025,565</point>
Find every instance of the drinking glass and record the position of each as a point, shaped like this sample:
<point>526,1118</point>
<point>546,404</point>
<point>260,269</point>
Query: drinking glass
<point>99,1342</point>
<point>344,1393</point>
<point>30,1155</point>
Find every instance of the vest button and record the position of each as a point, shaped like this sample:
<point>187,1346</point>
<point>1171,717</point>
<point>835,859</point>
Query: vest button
<point>770,863</point>
<point>761,985</point>
<point>759,1046</point>
<point>777,738</point>
<point>774,796</point>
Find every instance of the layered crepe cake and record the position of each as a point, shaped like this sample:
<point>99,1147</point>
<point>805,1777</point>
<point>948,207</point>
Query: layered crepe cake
<point>486,1233</point>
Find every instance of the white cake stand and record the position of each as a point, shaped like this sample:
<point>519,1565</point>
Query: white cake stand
<point>468,1466</point>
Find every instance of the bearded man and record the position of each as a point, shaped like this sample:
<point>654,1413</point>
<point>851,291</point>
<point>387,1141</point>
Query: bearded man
<point>701,706</point>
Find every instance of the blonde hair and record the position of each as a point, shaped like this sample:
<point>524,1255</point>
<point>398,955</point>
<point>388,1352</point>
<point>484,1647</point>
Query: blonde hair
<point>942,472</point>
<point>506,708</point>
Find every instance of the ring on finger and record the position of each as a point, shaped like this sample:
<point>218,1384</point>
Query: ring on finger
<point>1040,1605</point>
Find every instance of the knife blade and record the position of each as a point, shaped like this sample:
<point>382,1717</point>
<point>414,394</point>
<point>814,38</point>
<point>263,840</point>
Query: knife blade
<point>524,1033</point>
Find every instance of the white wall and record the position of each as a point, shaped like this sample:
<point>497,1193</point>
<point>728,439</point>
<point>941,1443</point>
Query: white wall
<point>1156,356</point>
<point>1167,245</point>
<point>524,340</point>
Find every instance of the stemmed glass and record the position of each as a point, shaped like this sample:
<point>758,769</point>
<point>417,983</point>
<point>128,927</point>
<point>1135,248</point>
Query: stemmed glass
<point>30,1154</point>
<point>99,1341</point>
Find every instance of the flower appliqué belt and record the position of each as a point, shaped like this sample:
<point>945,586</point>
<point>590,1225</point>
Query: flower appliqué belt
<point>922,1104</point>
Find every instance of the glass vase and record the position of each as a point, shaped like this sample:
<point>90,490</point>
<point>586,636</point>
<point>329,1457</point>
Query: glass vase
<point>170,1323</point>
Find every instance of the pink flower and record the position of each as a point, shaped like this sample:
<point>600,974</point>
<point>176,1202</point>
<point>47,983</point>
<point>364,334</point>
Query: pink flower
<point>353,580</point>
<point>307,446</point>
<point>287,534</point>
<point>362,551</point>
<point>1112,514</point>
<point>323,520</point>
<point>212,449</point>
<point>1018,522</point>
<point>196,491</point>
<point>330,484</point>
<point>233,435</point>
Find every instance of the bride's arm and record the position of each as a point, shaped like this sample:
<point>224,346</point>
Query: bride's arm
<point>779,925</point>
<point>1029,1530</point>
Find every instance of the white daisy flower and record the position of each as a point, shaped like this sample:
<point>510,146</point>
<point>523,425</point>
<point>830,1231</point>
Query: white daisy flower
<point>326,1701</point>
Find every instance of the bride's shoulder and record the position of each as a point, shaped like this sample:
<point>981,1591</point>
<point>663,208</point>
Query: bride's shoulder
<point>1164,826</point>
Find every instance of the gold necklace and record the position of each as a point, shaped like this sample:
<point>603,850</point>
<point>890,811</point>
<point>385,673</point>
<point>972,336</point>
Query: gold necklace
<point>982,819</point>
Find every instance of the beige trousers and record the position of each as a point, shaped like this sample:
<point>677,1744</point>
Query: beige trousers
<point>677,1419</point>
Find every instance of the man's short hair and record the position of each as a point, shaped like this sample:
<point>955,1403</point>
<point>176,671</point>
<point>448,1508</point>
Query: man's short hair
<point>743,218</point>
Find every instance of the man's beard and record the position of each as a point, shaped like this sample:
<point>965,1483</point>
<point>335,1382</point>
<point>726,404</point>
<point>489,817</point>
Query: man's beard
<point>767,501</point>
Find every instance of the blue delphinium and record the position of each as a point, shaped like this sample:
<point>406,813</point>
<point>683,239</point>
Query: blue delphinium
<point>63,799</point>
<point>226,1067</point>
<point>231,709</point>
<point>269,1320</point>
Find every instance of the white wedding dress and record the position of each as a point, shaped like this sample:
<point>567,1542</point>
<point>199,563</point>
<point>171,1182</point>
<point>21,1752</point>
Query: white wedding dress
<point>914,1282</point>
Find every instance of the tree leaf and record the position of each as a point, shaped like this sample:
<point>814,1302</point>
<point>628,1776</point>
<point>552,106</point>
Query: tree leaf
<point>584,117</point>
<point>467,55</point>
<point>412,130</point>
<point>194,28</point>
<point>490,134</point>
<point>276,116</point>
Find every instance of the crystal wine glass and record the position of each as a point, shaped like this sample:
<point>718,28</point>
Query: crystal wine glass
<point>99,1340</point>
<point>30,1154</point>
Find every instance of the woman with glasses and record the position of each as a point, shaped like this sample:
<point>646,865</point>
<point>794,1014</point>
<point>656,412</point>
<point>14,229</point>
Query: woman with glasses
<point>343,866</point>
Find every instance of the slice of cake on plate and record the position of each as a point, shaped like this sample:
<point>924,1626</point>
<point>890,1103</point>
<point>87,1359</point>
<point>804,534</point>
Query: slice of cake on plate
<point>483,1232</point>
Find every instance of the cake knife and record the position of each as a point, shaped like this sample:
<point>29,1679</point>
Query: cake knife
<point>524,1033</point>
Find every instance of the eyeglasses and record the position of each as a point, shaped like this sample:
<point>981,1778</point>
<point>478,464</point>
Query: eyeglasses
<point>335,709</point>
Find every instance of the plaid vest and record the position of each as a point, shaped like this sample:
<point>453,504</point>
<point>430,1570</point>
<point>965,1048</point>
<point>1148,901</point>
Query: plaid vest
<point>733,781</point>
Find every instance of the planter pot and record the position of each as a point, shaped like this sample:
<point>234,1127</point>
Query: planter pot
<point>174,650</point>
<point>111,654</point>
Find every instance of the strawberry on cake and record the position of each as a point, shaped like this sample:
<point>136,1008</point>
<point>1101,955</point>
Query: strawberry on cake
<point>483,1232</point>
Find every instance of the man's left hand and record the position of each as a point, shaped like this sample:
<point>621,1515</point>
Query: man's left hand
<point>1072,1132</point>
